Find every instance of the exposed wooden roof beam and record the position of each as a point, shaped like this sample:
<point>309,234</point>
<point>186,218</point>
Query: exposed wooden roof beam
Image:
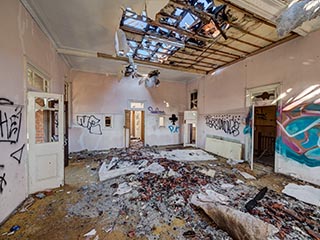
<point>214,51</point>
<point>245,42</point>
<point>291,37</point>
<point>249,33</point>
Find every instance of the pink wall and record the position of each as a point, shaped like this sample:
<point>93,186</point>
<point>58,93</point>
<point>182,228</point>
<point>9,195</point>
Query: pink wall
<point>21,40</point>
<point>99,95</point>
<point>294,64</point>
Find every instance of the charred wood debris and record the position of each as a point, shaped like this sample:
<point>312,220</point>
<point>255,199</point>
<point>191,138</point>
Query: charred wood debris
<point>145,200</point>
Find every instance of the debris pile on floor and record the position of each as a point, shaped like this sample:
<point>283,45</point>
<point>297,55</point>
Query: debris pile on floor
<point>142,190</point>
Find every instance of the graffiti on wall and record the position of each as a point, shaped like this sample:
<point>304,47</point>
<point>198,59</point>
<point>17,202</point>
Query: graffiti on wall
<point>90,122</point>
<point>155,110</point>
<point>10,127</point>
<point>228,123</point>
<point>248,123</point>
<point>299,133</point>
<point>174,128</point>
<point>173,119</point>
<point>10,122</point>
<point>17,155</point>
<point>3,182</point>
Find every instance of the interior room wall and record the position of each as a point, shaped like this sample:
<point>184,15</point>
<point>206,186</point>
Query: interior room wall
<point>21,41</point>
<point>96,95</point>
<point>221,96</point>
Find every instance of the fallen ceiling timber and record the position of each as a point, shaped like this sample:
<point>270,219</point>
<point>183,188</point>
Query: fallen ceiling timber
<point>91,54</point>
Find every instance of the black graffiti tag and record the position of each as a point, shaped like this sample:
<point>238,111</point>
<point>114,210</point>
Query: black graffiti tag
<point>3,182</point>
<point>92,123</point>
<point>173,119</point>
<point>17,155</point>
<point>227,123</point>
<point>10,125</point>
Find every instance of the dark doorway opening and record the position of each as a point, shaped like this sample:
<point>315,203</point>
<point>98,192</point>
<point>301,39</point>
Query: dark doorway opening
<point>265,132</point>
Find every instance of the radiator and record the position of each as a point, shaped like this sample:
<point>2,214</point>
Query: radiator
<point>224,148</point>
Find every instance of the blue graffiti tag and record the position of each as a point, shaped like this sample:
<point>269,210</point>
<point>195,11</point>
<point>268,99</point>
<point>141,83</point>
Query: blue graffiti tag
<point>174,129</point>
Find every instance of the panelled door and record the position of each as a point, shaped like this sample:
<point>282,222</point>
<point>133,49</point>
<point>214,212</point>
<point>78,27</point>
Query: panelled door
<point>45,141</point>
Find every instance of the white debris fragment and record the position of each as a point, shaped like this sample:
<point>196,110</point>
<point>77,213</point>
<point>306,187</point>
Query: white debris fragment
<point>93,232</point>
<point>239,181</point>
<point>113,163</point>
<point>105,174</point>
<point>247,176</point>
<point>172,173</point>
<point>209,172</point>
<point>227,186</point>
<point>96,238</point>
<point>233,162</point>
<point>187,155</point>
<point>123,188</point>
<point>305,193</point>
<point>155,168</point>
<point>212,196</point>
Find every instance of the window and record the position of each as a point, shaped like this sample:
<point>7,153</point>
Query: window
<point>161,122</point>
<point>194,100</point>
<point>135,105</point>
<point>108,121</point>
<point>36,80</point>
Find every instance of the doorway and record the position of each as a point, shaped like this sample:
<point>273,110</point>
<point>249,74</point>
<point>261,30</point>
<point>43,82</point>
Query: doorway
<point>136,127</point>
<point>265,131</point>
<point>45,141</point>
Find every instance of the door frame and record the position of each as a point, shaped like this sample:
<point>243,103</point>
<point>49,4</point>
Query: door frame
<point>30,110</point>
<point>250,92</point>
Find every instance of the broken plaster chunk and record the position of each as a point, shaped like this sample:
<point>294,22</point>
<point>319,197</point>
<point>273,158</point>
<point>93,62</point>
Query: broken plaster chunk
<point>105,174</point>
<point>247,176</point>
<point>239,181</point>
<point>212,196</point>
<point>210,172</point>
<point>238,224</point>
<point>114,161</point>
<point>93,232</point>
<point>233,162</point>
<point>123,189</point>
<point>155,168</point>
<point>172,173</point>
<point>305,193</point>
<point>227,186</point>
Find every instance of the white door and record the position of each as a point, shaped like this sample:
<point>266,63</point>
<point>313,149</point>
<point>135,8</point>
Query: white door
<point>249,136</point>
<point>45,141</point>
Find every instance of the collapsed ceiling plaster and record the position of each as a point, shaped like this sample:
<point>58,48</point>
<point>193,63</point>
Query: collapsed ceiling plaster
<point>79,27</point>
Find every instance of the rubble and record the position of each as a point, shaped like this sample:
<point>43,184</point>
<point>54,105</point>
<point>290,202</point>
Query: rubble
<point>247,176</point>
<point>158,193</point>
<point>233,162</point>
<point>186,155</point>
<point>123,188</point>
<point>93,232</point>
<point>254,202</point>
<point>305,193</point>
<point>238,224</point>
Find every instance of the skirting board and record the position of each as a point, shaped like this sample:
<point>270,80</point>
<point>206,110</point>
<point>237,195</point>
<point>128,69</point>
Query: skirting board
<point>224,148</point>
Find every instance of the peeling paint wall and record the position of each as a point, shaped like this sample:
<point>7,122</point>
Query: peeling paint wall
<point>21,40</point>
<point>99,95</point>
<point>295,65</point>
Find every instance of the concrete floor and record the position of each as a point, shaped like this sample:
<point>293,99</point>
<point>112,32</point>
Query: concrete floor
<point>48,218</point>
